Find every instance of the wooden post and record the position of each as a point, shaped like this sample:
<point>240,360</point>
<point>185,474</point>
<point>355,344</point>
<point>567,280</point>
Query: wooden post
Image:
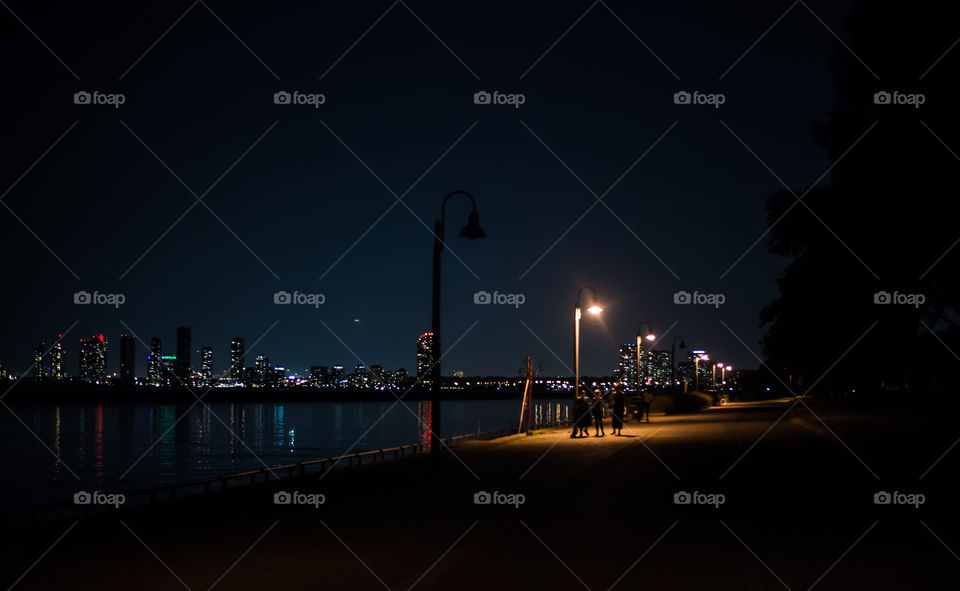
<point>526,408</point>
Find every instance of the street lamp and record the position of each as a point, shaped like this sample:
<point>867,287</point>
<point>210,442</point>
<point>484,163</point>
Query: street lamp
<point>673,359</point>
<point>593,309</point>
<point>472,230</point>
<point>723,373</point>
<point>642,334</point>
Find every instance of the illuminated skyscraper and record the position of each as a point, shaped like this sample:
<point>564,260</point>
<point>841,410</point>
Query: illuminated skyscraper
<point>627,370</point>
<point>424,357</point>
<point>155,375</point>
<point>336,376</point>
<point>237,359</point>
<point>182,366</point>
<point>40,371</point>
<point>128,350</point>
<point>93,360</point>
<point>58,371</point>
<point>659,368</point>
<point>262,371</point>
<point>319,376</point>
<point>206,366</point>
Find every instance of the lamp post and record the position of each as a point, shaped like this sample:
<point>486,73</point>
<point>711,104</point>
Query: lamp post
<point>723,374</point>
<point>696,369</point>
<point>472,230</point>
<point>642,334</point>
<point>593,309</point>
<point>673,360</point>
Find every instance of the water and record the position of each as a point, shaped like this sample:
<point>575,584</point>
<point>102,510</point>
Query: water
<point>114,447</point>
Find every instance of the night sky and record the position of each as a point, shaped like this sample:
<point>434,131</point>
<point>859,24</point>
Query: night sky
<point>290,203</point>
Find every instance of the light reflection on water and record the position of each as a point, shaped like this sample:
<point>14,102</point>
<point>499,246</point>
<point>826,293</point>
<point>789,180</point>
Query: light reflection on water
<point>122,447</point>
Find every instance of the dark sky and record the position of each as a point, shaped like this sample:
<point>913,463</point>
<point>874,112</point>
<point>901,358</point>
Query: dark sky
<point>298,200</point>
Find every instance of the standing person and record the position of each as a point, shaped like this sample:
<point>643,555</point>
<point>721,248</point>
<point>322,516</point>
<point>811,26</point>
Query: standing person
<point>585,414</point>
<point>647,403</point>
<point>619,408</point>
<point>577,415</point>
<point>597,409</point>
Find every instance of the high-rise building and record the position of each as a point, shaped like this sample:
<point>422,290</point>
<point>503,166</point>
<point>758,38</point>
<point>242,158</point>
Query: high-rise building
<point>155,376</point>
<point>378,377</point>
<point>206,366</point>
<point>659,369</point>
<point>336,376</point>
<point>48,361</point>
<point>58,370</point>
<point>237,360</point>
<point>39,362</point>
<point>93,359</point>
<point>627,370</point>
<point>319,376</point>
<point>128,350</point>
<point>698,362</point>
<point>182,367</point>
<point>262,371</point>
<point>424,357</point>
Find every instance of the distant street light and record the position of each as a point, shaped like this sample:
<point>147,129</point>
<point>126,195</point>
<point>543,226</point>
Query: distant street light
<point>593,309</point>
<point>472,230</point>
<point>642,334</point>
<point>696,369</point>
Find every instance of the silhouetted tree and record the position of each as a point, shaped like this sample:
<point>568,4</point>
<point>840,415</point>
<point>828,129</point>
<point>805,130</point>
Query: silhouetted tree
<point>890,205</point>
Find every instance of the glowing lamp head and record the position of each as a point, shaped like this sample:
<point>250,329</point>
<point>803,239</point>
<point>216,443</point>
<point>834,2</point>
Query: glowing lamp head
<point>729,367</point>
<point>594,309</point>
<point>651,337</point>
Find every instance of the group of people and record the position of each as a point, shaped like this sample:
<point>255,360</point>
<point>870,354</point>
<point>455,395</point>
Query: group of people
<point>592,407</point>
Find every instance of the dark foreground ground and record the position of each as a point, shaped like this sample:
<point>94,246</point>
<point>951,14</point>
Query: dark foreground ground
<point>599,513</point>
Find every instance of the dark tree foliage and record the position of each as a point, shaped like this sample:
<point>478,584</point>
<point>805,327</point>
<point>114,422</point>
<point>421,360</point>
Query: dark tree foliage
<point>882,219</point>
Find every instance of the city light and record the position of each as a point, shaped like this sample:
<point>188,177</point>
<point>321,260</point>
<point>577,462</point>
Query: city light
<point>594,309</point>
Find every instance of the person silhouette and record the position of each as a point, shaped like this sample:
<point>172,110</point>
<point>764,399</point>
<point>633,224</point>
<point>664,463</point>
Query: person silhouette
<point>596,408</point>
<point>619,408</point>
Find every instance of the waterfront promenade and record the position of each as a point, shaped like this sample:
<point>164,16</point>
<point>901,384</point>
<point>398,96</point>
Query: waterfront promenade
<point>797,511</point>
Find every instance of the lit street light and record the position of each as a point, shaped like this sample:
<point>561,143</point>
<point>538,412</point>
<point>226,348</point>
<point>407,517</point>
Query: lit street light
<point>696,369</point>
<point>642,334</point>
<point>593,309</point>
<point>472,230</point>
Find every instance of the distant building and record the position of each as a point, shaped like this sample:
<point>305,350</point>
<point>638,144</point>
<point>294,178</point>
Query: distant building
<point>401,376</point>
<point>425,359</point>
<point>181,368</point>
<point>128,364</point>
<point>659,369</point>
<point>237,360</point>
<point>40,371</point>
<point>262,371</point>
<point>378,377</point>
<point>206,366</point>
<point>627,369</point>
<point>336,376</point>
<point>58,371</point>
<point>93,360</point>
<point>155,374</point>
